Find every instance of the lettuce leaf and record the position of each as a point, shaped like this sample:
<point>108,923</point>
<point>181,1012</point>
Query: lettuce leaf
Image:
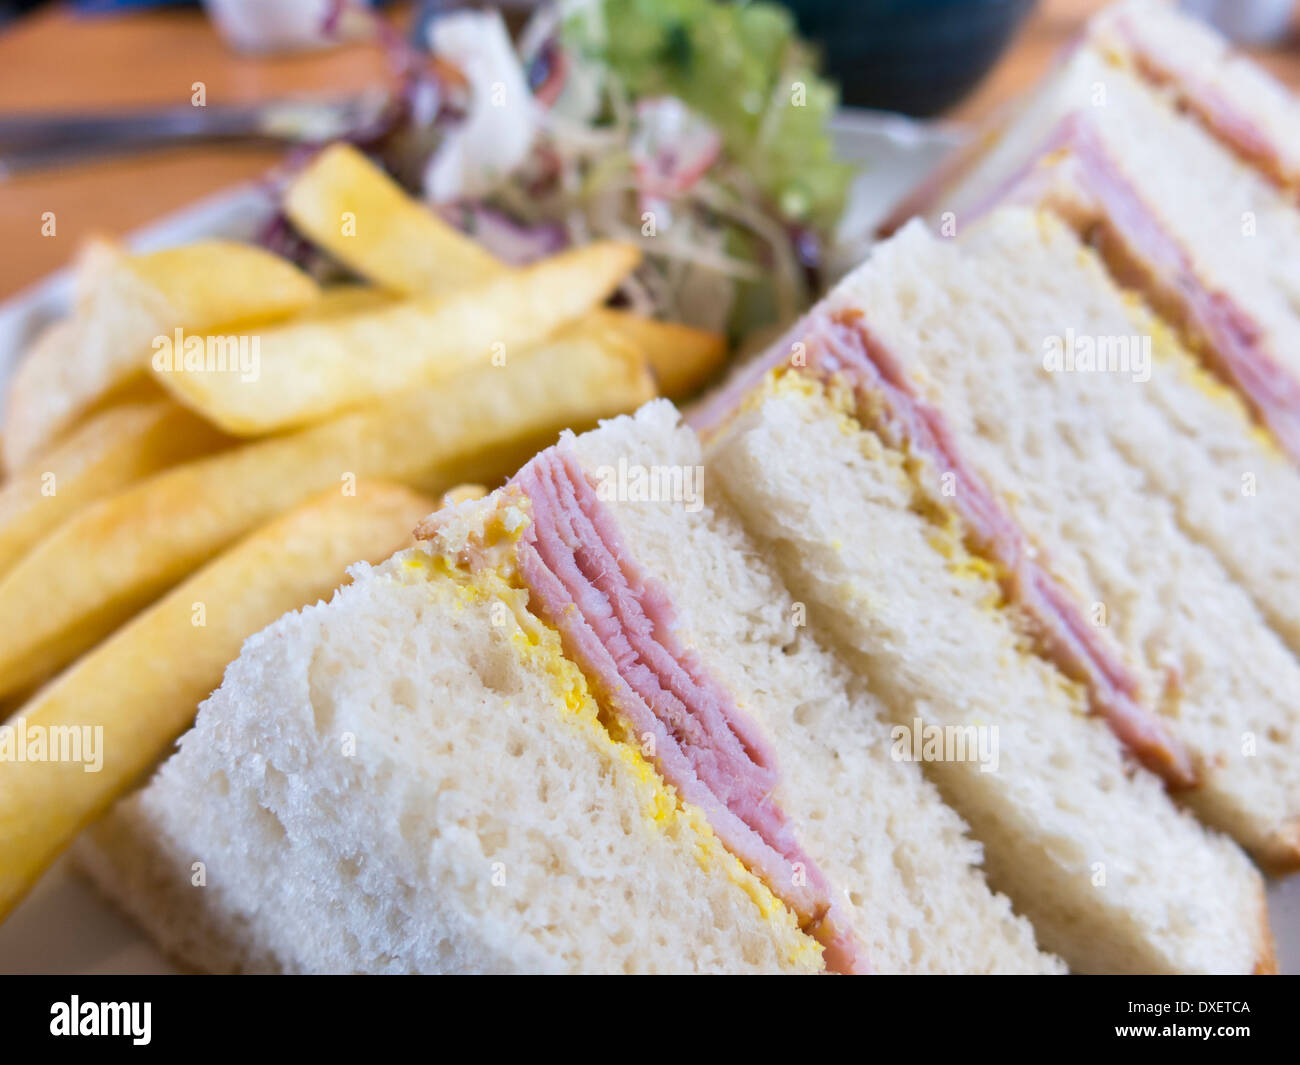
<point>743,67</point>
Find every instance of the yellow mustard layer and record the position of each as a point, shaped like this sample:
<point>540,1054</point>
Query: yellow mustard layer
<point>946,535</point>
<point>1169,349</point>
<point>540,650</point>
<point>946,529</point>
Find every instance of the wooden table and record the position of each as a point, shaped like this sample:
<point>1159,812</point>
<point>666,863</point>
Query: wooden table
<point>53,60</point>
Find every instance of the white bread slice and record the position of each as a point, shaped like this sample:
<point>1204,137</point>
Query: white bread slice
<point>1194,65</point>
<point>460,762</point>
<point>876,827</point>
<point>478,826</point>
<point>1091,849</point>
<point>1238,231</point>
<point>1191,436</point>
<point>1205,658</point>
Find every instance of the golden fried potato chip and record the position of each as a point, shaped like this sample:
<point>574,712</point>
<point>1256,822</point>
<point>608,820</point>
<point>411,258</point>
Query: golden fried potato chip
<point>110,450</point>
<point>362,217</point>
<point>119,553</point>
<point>124,306</point>
<point>110,717</point>
<point>306,371</point>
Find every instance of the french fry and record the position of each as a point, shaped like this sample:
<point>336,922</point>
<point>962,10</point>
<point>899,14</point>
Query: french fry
<point>121,309</point>
<point>336,300</point>
<point>395,241</point>
<point>117,554</point>
<point>116,447</point>
<point>97,256</point>
<point>225,283</point>
<point>36,410</point>
<point>308,371</point>
<point>683,358</point>
<point>129,699</point>
<point>350,207</point>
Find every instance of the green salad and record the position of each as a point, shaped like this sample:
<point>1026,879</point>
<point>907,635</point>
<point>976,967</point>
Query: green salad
<point>695,129</point>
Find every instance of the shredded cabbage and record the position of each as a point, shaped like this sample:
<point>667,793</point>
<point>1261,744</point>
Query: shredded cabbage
<point>695,129</point>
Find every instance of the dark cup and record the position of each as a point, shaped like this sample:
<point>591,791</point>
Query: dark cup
<point>913,56</point>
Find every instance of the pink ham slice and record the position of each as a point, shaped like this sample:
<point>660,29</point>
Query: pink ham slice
<point>618,626</point>
<point>840,344</point>
<point>1219,115</point>
<point>714,409</point>
<point>1075,175</point>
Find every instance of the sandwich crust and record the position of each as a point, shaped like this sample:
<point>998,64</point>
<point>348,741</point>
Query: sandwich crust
<point>414,778</point>
<point>839,507</point>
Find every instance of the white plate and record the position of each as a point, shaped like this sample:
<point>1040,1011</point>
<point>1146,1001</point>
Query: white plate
<point>64,926</point>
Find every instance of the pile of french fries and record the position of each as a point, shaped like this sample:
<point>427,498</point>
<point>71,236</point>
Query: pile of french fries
<point>210,438</point>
